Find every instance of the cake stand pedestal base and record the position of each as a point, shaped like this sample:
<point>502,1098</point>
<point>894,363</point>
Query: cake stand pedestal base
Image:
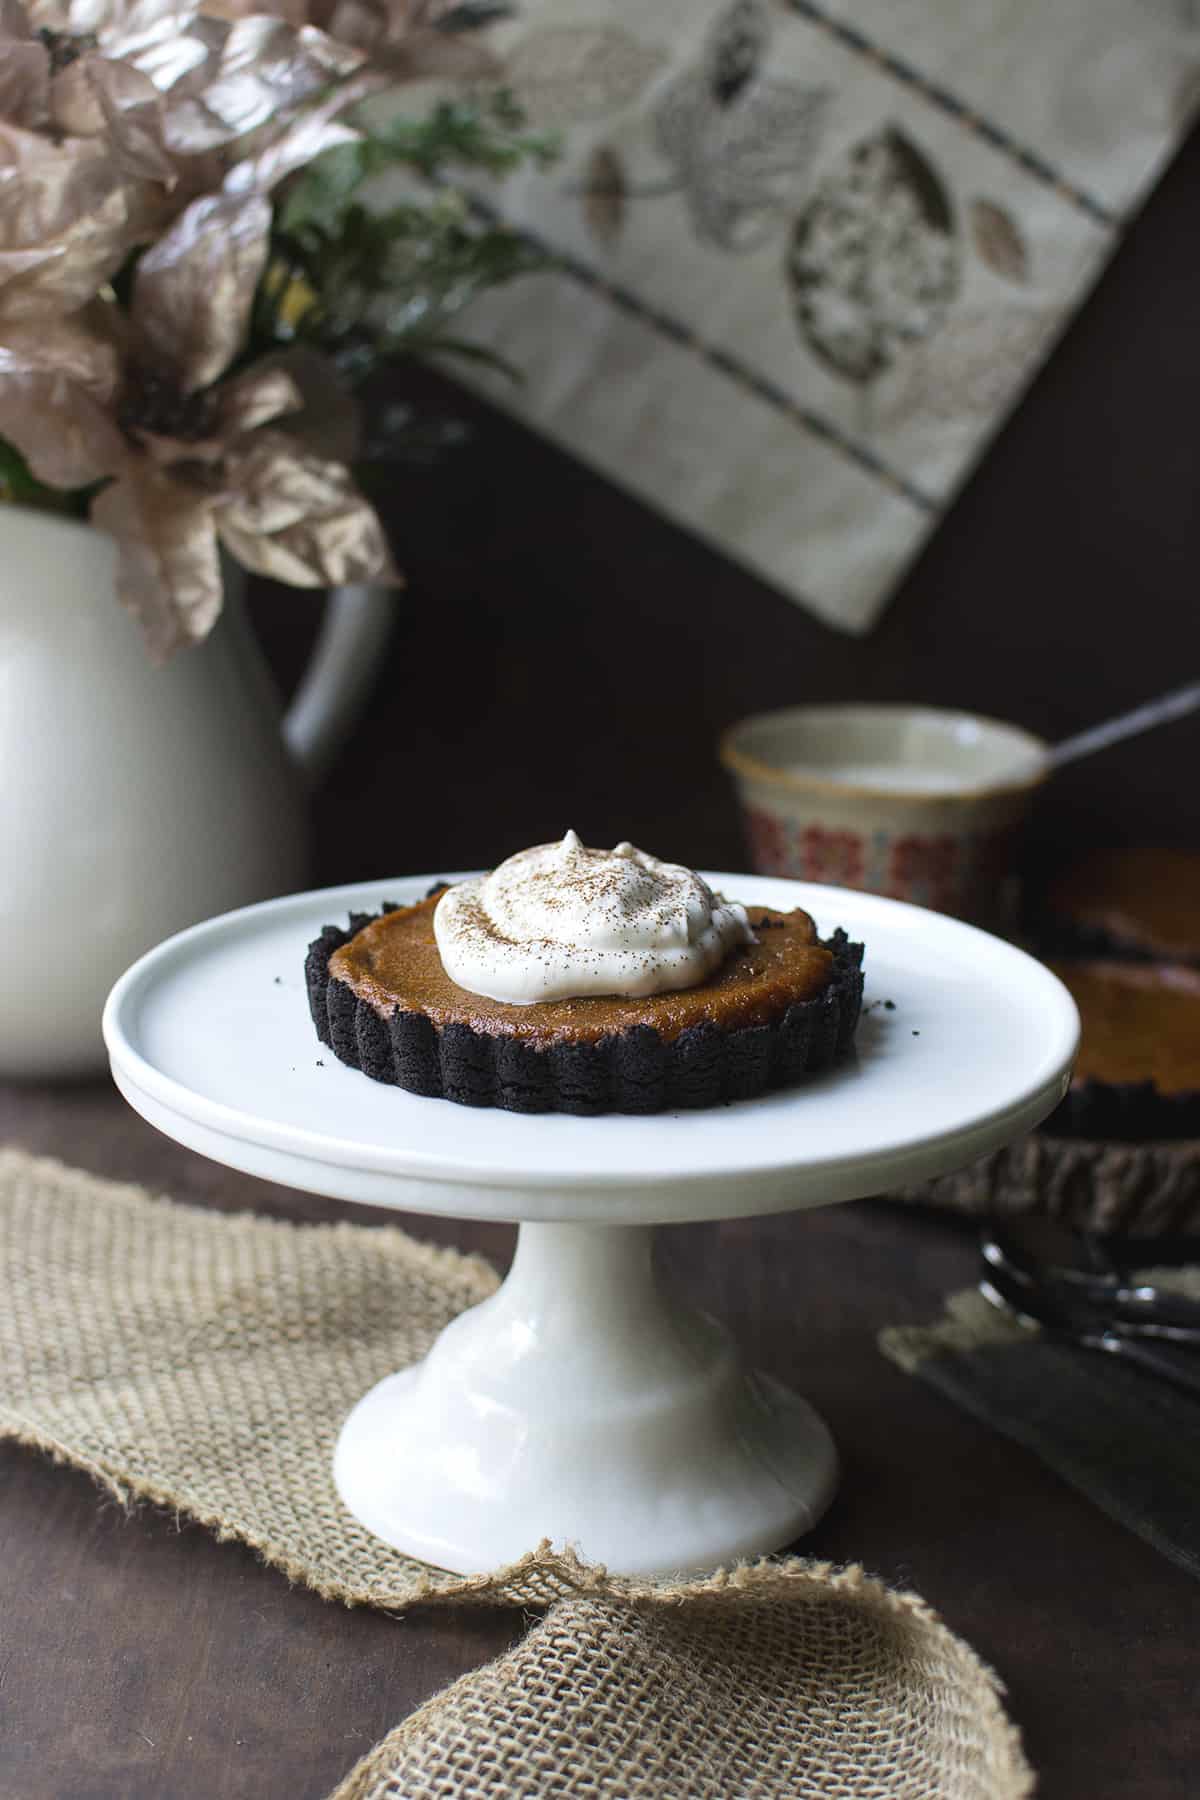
<point>582,1404</point>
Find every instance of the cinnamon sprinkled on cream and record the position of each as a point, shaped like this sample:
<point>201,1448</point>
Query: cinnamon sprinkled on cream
<point>562,921</point>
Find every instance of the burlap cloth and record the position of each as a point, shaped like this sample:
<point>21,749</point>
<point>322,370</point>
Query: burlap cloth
<point>205,1362</point>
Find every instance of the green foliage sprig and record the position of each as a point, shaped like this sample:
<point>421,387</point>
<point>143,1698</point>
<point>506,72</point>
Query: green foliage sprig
<point>367,283</point>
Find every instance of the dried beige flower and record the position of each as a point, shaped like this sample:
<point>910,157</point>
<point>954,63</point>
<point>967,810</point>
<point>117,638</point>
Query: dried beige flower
<point>115,114</point>
<point>136,399</point>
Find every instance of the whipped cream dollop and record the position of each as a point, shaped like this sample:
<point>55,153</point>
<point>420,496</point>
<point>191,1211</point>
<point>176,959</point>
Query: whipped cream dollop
<point>561,921</point>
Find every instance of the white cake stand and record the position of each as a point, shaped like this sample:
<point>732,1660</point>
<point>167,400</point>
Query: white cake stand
<point>580,1403</point>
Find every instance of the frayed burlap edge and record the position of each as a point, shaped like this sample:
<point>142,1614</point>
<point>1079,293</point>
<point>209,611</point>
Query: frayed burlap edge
<point>734,1589</point>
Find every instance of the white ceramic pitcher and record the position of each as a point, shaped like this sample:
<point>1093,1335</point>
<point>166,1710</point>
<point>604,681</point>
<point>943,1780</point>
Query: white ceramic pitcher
<point>136,800</point>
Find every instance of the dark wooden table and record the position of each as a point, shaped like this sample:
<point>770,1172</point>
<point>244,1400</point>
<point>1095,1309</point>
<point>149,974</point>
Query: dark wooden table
<point>140,1658</point>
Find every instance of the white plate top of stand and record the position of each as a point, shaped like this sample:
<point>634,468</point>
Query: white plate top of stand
<point>210,1039</point>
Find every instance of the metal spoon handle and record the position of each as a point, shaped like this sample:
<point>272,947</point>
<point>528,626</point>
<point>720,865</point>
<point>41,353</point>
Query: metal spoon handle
<point>1035,1309</point>
<point>1143,718</point>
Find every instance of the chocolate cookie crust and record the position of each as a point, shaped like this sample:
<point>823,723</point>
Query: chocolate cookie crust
<point>632,1069</point>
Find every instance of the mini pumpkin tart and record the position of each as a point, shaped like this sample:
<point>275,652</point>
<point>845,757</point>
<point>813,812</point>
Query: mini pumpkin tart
<point>1135,903</point>
<point>720,1002</point>
<point>1137,1075</point>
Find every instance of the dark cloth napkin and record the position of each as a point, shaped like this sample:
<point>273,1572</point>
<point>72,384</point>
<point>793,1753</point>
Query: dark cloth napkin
<point>1127,1440</point>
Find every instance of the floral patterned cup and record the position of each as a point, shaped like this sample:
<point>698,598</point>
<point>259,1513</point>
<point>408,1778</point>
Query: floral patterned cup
<point>909,801</point>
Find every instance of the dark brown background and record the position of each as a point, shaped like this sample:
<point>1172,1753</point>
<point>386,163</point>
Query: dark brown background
<point>565,657</point>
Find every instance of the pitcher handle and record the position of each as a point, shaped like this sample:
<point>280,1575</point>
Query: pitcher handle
<point>343,665</point>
